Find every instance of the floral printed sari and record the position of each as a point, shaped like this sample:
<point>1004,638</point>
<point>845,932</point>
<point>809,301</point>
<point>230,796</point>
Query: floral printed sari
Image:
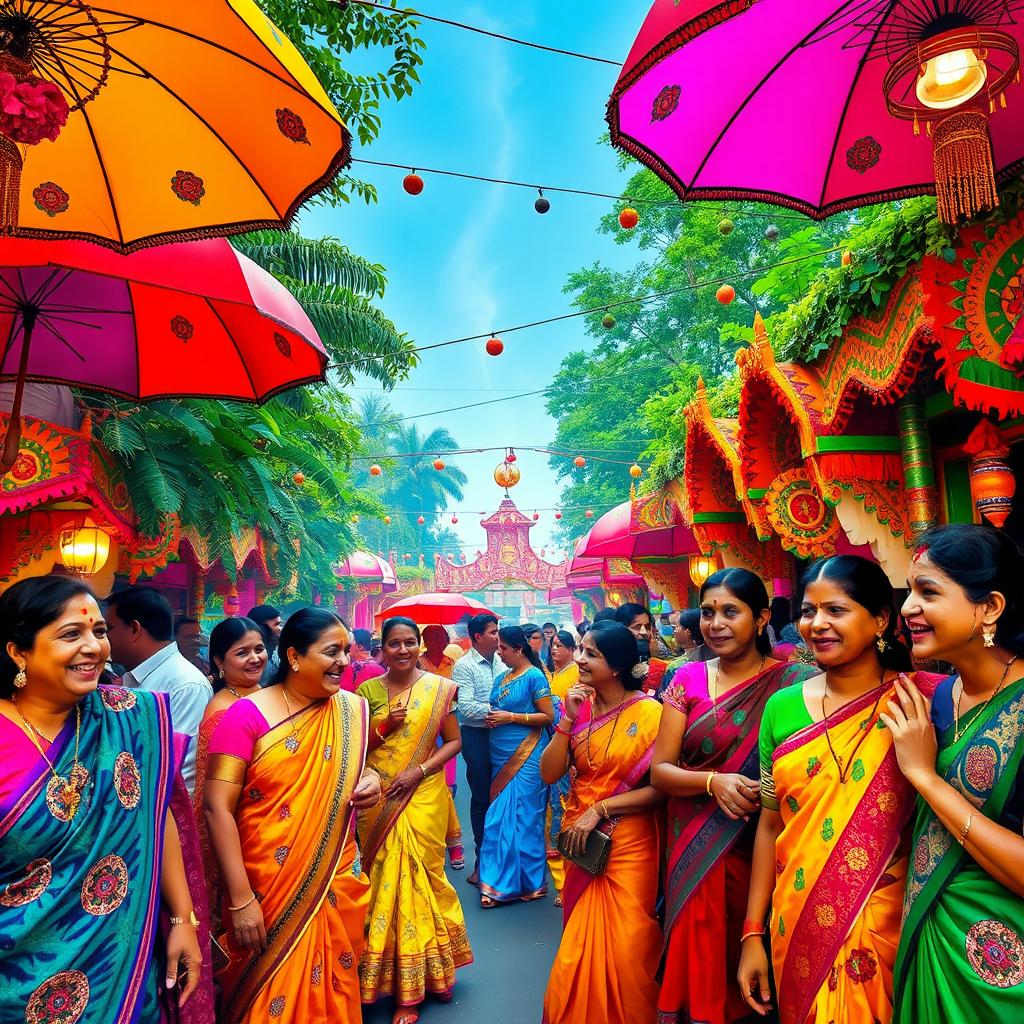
<point>961,954</point>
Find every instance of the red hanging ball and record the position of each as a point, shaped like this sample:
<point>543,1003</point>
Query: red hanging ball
<point>580,461</point>
<point>725,294</point>
<point>558,515</point>
<point>536,516</point>
<point>589,514</point>
<point>438,464</point>
<point>375,470</point>
<point>511,457</point>
<point>299,479</point>
<point>628,218</point>
<point>420,520</point>
<point>413,184</point>
<point>495,346</point>
<point>455,519</point>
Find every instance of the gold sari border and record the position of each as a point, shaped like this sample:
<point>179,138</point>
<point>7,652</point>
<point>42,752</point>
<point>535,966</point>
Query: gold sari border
<point>519,757</point>
<point>416,973</point>
<point>228,768</point>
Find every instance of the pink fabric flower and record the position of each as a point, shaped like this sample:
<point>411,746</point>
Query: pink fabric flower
<point>31,110</point>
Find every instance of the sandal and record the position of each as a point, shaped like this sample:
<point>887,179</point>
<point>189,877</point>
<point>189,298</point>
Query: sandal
<point>457,857</point>
<point>406,1015</point>
<point>487,903</point>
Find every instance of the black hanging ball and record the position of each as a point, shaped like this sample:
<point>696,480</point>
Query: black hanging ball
<point>541,204</point>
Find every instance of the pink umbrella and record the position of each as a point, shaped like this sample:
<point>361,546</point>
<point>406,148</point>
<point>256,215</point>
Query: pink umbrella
<point>824,105</point>
<point>435,609</point>
<point>611,537</point>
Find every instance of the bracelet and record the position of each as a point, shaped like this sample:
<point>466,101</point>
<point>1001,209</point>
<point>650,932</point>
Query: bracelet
<point>191,919</point>
<point>423,768</point>
<point>380,735</point>
<point>962,838</point>
<point>750,926</point>
<point>234,910</point>
<point>603,808</point>
<point>561,731</point>
<point>750,935</point>
<point>707,785</point>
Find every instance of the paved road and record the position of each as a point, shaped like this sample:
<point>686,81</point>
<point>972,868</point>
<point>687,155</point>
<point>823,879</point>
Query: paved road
<point>513,948</point>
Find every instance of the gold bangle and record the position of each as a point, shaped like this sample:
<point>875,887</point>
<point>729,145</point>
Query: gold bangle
<point>234,910</point>
<point>750,935</point>
<point>707,785</point>
<point>962,838</point>
<point>423,768</point>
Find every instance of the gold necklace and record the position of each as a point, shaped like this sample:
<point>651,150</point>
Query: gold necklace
<point>292,742</point>
<point>590,728</point>
<point>398,696</point>
<point>718,673</point>
<point>69,790</point>
<point>863,732</point>
<point>956,709</point>
<point>509,680</point>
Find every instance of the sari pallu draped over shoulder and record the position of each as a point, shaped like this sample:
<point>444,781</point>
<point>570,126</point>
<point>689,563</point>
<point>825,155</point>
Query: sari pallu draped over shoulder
<point>415,930</point>
<point>961,953</point>
<point>79,895</point>
<point>294,820</point>
<point>841,864</point>
<point>605,965</point>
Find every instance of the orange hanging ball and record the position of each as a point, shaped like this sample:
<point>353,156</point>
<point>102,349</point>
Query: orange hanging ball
<point>413,184</point>
<point>375,470</point>
<point>635,471</point>
<point>438,464</point>
<point>847,258</point>
<point>494,346</point>
<point>589,514</point>
<point>580,461</point>
<point>628,218</point>
<point>299,479</point>
<point>387,520</point>
<point>725,294</point>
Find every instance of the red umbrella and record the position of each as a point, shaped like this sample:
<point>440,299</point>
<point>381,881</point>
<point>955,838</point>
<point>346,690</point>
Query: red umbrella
<point>435,609</point>
<point>190,319</point>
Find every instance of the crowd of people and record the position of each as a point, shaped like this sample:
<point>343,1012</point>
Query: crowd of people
<point>738,820</point>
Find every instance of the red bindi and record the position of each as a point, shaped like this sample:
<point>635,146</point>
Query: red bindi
<point>85,611</point>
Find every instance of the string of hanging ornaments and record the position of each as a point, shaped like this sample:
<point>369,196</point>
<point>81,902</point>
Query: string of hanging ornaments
<point>949,73</point>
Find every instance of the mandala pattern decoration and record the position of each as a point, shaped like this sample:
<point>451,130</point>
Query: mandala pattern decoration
<point>291,126</point>
<point>188,187</point>
<point>118,698</point>
<point>50,198</point>
<point>863,154</point>
<point>182,328</point>
<point>127,781</point>
<point>996,953</point>
<point>284,346</point>
<point>105,886</point>
<point>665,103</point>
<point>806,525</point>
<point>37,877</point>
<point>61,999</point>
<point>861,966</point>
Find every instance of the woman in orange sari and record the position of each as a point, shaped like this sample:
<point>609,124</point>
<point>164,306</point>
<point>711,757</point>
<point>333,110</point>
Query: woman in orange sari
<point>830,855</point>
<point>706,761</point>
<point>415,930</point>
<point>238,656</point>
<point>285,773</point>
<point>605,965</point>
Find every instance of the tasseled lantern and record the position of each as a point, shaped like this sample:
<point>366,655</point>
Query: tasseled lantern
<point>992,481</point>
<point>965,178</point>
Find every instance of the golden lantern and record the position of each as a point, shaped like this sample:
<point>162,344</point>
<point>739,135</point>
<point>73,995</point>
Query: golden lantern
<point>83,549</point>
<point>701,567</point>
<point>507,475</point>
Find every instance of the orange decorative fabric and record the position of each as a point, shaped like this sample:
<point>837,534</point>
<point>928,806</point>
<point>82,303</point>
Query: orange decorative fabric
<point>295,824</point>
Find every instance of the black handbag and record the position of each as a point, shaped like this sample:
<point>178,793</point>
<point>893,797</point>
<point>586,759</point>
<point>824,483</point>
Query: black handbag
<point>594,857</point>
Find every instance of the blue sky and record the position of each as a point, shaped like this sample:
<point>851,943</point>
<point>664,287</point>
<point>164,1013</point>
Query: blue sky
<point>467,257</point>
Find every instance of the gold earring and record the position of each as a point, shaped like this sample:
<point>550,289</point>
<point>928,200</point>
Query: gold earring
<point>988,636</point>
<point>760,630</point>
<point>20,679</point>
<point>295,668</point>
<point>881,644</point>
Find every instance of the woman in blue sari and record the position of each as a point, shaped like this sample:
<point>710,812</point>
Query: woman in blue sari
<point>513,865</point>
<point>88,846</point>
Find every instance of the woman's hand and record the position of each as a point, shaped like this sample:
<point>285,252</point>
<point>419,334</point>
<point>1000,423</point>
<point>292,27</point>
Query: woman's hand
<point>580,830</point>
<point>738,796</point>
<point>909,721</point>
<point>394,721</point>
<point>183,954</point>
<point>494,718</point>
<point>406,782</point>
<point>367,792</point>
<point>753,976</point>
<point>250,931</point>
<point>577,696</point>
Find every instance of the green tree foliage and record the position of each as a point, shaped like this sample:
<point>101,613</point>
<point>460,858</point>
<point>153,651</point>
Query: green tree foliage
<point>327,34</point>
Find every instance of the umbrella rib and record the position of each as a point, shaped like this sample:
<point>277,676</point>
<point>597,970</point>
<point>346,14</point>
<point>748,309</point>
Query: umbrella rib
<point>103,171</point>
<point>56,332</point>
<point>849,100</point>
<point>241,358</point>
<point>753,92</point>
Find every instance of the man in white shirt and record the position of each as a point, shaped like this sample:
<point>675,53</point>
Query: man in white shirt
<point>474,675</point>
<point>140,626</point>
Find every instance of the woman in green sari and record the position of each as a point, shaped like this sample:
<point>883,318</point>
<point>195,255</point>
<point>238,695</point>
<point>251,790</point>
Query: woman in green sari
<point>961,952</point>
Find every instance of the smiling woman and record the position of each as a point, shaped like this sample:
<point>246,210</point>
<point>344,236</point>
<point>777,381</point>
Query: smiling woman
<point>85,791</point>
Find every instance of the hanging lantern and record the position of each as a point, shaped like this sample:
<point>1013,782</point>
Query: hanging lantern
<point>299,479</point>
<point>725,227</point>
<point>375,470</point>
<point>507,475</point>
<point>558,515</point>
<point>589,513</point>
<point>635,471</point>
<point>541,204</point>
<point>628,218</point>
<point>847,258</point>
<point>536,516</point>
<point>608,321</point>
<point>387,520</point>
<point>580,461</point>
<point>771,233</point>
<point>438,464</point>
<point>412,183</point>
<point>952,80</point>
<point>83,549</point>
<point>494,346</point>
<point>992,481</point>
<point>420,520</point>
<point>511,457</point>
<point>701,567</point>
<point>725,294</point>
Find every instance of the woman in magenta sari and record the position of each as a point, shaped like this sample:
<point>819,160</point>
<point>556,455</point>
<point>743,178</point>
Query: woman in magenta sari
<point>88,846</point>
<point>706,760</point>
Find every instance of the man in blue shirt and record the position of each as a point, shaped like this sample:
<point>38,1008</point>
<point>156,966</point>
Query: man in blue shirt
<point>474,675</point>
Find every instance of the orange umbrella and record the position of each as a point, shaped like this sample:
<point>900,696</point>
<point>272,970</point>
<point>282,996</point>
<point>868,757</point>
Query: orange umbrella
<point>183,120</point>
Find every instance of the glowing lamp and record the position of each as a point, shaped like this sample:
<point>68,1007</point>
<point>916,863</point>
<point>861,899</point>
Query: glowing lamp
<point>949,79</point>
<point>438,464</point>
<point>635,471</point>
<point>375,470</point>
<point>83,549</point>
<point>507,475</point>
<point>701,567</point>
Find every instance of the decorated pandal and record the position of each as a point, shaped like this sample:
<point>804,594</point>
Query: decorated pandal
<point>909,418</point>
<point>364,580</point>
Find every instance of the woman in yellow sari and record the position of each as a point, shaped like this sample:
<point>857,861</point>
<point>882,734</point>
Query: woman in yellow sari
<point>286,771</point>
<point>415,931</point>
<point>830,855</point>
<point>605,965</point>
<point>565,674</point>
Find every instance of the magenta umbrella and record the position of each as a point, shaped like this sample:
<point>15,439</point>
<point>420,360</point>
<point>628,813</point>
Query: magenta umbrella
<point>817,105</point>
<point>611,537</point>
